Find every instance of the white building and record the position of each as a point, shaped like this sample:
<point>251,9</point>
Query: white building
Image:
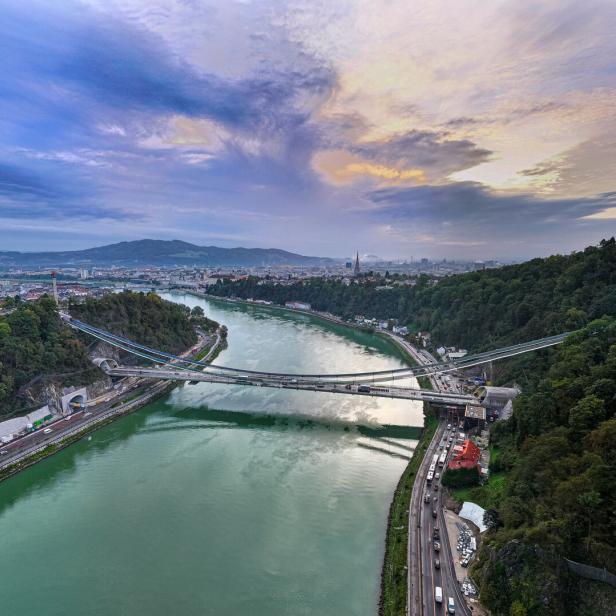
<point>298,305</point>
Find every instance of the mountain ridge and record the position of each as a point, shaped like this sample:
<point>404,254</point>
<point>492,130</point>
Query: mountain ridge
<point>160,252</point>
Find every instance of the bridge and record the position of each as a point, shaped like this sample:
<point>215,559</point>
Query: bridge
<point>174,367</point>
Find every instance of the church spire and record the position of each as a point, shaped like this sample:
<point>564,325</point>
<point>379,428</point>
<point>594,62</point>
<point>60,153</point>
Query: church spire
<point>356,270</point>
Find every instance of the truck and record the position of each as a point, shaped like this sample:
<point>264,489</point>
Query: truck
<point>438,594</point>
<point>363,389</point>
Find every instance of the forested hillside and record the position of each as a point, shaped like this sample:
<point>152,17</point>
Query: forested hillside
<point>559,452</point>
<point>478,310</point>
<point>36,346</point>
<point>147,319</point>
<point>557,455</point>
<point>35,343</point>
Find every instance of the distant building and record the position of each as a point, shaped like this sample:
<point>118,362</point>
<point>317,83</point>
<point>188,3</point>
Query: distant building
<point>298,305</point>
<point>453,355</point>
<point>349,265</point>
<point>467,458</point>
<point>356,268</point>
<point>424,338</point>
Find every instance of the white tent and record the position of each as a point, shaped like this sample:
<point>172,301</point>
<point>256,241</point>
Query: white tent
<point>474,513</point>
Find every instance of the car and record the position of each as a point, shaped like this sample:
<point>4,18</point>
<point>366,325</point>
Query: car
<point>436,533</point>
<point>436,545</point>
<point>451,606</point>
<point>433,512</point>
<point>437,563</point>
<point>437,475</point>
<point>427,498</point>
<point>438,594</point>
<point>449,426</point>
<point>47,431</point>
<point>464,562</point>
<point>435,486</point>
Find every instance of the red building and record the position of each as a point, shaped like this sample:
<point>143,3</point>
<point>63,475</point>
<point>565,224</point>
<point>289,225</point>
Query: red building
<point>467,458</point>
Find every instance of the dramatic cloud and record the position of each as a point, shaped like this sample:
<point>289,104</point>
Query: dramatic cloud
<point>454,128</point>
<point>469,214</point>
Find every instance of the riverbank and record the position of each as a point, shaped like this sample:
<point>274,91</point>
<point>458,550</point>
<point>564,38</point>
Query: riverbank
<point>399,343</point>
<point>311,313</point>
<point>395,563</point>
<point>114,409</point>
<point>69,437</point>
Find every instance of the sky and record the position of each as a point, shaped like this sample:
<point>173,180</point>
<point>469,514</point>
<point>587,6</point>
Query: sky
<point>413,128</point>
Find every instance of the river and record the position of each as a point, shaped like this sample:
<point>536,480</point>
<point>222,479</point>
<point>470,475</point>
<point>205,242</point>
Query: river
<point>219,500</point>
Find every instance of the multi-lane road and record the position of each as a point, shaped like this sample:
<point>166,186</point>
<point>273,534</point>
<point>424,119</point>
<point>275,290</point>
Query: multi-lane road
<point>423,575</point>
<point>54,433</point>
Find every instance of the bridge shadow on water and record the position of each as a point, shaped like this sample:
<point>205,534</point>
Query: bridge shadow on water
<point>164,417</point>
<point>251,419</point>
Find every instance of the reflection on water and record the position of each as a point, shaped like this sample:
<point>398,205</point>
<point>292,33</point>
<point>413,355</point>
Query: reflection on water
<point>219,500</point>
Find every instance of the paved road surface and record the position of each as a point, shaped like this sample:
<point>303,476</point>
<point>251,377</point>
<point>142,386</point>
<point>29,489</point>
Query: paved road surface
<point>423,576</point>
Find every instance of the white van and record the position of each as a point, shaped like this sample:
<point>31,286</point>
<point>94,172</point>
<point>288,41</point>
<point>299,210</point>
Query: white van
<point>438,594</point>
<point>451,606</point>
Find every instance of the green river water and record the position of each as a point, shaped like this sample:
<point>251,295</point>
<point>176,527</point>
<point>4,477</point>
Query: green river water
<point>219,500</point>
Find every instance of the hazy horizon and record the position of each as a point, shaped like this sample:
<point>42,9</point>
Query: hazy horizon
<point>362,256</point>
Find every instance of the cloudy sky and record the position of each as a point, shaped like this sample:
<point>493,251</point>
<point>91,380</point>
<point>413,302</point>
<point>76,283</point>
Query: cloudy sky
<point>463,128</point>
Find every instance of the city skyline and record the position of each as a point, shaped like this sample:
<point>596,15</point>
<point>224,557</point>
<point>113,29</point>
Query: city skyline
<point>445,130</point>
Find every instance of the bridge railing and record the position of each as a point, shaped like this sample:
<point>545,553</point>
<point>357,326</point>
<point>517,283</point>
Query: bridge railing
<point>157,356</point>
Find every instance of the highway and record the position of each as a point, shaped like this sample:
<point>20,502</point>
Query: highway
<point>29,444</point>
<point>98,409</point>
<point>423,576</point>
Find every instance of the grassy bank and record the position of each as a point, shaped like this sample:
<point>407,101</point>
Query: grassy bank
<point>487,496</point>
<point>394,574</point>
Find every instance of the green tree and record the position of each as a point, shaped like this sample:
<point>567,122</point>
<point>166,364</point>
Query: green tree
<point>590,501</point>
<point>586,414</point>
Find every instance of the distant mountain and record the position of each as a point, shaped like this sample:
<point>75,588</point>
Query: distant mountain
<point>162,253</point>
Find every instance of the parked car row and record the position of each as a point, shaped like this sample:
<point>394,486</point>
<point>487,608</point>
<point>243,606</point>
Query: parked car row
<point>467,546</point>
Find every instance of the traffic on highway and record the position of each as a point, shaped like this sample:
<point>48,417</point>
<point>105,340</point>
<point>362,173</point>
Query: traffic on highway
<point>432,584</point>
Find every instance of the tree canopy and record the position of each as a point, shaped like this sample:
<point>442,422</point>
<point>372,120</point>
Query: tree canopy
<point>36,346</point>
<point>478,310</point>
